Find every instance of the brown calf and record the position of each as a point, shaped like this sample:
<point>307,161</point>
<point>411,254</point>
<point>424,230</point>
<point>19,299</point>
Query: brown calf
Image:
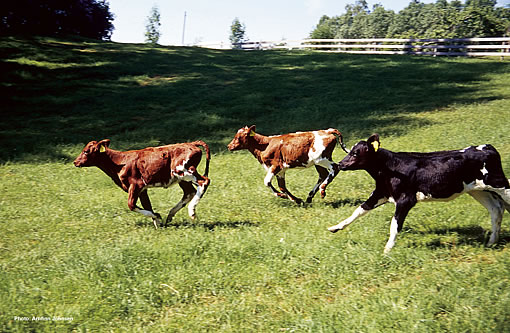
<point>295,150</point>
<point>137,170</point>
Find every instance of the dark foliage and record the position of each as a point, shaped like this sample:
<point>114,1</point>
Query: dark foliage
<point>87,18</point>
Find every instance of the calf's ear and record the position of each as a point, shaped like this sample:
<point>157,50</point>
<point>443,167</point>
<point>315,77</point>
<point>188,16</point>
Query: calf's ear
<point>373,142</point>
<point>252,130</point>
<point>103,144</point>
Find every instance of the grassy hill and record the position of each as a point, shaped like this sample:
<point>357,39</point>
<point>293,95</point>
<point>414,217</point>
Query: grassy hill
<point>70,248</point>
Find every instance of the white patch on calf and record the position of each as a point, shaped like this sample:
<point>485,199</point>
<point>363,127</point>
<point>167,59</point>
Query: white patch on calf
<point>267,179</point>
<point>315,153</point>
<point>484,170</point>
<point>194,201</point>
<point>481,147</point>
<point>495,207</point>
<point>393,235</point>
<point>357,213</point>
<point>181,173</point>
<point>420,196</point>
<point>477,185</point>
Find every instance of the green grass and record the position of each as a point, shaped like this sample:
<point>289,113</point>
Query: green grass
<point>69,246</point>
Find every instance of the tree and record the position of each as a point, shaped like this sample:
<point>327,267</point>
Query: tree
<point>410,21</point>
<point>443,19</point>
<point>479,19</point>
<point>237,33</point>
<point>87,18</point>
<point>152,33</point>
<point>325,29</point>
<point>379,21</point>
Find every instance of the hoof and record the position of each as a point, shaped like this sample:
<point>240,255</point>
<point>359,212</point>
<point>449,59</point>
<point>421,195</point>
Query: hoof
<point>333,229</point>
<point>168,220</point>
<point>156,220</point>
<point>298,201</point>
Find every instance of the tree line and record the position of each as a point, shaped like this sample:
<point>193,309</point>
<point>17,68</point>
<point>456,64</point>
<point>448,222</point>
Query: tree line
<point>442,19</point>
<point>87,18</point>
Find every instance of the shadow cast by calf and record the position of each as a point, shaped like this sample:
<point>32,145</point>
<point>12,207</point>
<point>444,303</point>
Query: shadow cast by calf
<point>468,235</point>
<point>211,225</point>
<point>346,202</point>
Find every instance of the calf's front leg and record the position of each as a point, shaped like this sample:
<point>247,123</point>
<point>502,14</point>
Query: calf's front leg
<point>146,204</point>
<point>397,222</point>
<point>323,174</point>
<point>281,184</point>
<point>271,172</point>
<point>134,193</point>
<point>376,199</point>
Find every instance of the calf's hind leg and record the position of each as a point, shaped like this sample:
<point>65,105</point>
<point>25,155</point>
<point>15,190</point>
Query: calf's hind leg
<point>323,174</point>
<point>188,193</point>
<point>496,207</point>
<point>202,184</point>
<point>146,204</point>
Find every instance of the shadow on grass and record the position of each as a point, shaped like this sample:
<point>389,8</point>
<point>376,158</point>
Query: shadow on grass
<point>59,94</point>
<point>469,235</point>
<point>212,225</point>
<point>354,202</point>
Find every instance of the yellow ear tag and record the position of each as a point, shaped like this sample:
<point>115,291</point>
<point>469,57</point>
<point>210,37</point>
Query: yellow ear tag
<point>252,133</point>
<point>376,145</point>
<point>102,149</point>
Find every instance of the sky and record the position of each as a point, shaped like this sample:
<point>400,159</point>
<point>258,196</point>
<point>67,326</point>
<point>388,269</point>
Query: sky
<point>209,21</point>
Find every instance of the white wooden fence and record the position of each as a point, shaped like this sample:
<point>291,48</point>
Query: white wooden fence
<point>472,47</point>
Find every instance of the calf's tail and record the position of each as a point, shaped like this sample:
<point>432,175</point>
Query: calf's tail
<point>339,138</point>
<point>207,154</point>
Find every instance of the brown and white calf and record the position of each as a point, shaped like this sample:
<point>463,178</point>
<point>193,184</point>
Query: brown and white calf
<point>279,153</point>
<point>408,178</point>
<point>137,170</point>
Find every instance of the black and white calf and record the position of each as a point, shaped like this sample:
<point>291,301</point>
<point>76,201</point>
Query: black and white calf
<point>407,178</point>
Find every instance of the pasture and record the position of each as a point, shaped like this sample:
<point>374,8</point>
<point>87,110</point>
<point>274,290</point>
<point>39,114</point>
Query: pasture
<point>74,258</point>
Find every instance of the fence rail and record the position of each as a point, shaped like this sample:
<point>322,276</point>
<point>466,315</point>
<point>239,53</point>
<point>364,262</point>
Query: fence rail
<point>472,47</point>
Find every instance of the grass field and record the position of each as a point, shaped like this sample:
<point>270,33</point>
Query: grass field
<point>70,248</point>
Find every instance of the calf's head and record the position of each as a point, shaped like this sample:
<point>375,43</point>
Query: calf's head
<point>361,155</point>
<point>240,141</point>
<point>91,154</point>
